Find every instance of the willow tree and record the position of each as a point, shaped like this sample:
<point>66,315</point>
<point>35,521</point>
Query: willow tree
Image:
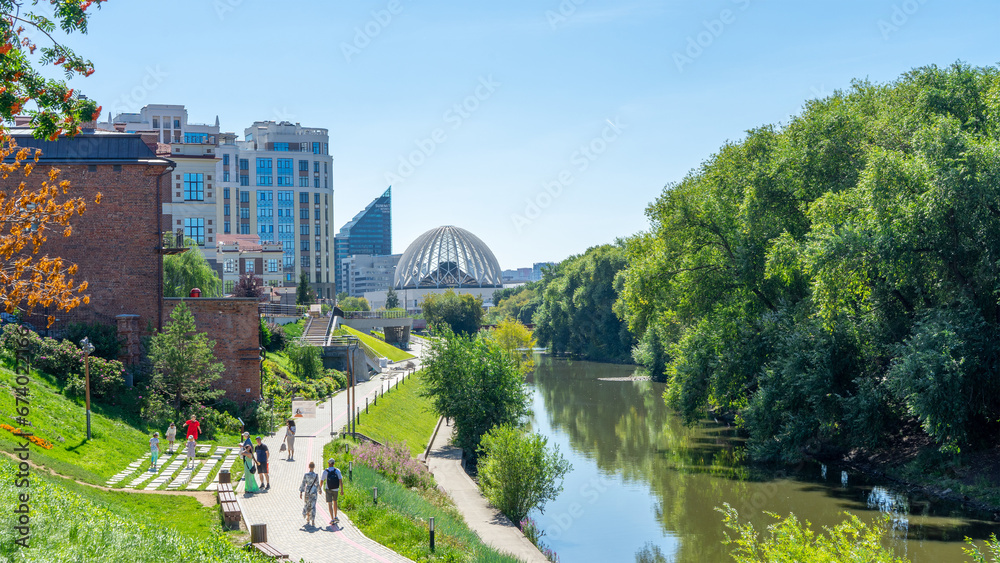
<point>187,270</point>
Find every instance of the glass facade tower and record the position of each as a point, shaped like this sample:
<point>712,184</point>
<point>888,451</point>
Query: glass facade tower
<point>368,233</point>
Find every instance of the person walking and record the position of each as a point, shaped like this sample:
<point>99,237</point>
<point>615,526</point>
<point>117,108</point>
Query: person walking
<point>262,457</point>
<point>191,444</point>
<point>154,450</point>
<point>308,491</point>
<point>171,436</point>
<point>249,468</point>
<point>193,426</point>
<point>334,483</point>
<point>290,440</point>
<point>246,439</point>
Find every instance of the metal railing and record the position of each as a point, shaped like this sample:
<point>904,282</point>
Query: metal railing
<point>375,315</point>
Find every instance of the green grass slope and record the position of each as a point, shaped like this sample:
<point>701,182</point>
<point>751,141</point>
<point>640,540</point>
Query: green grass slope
<point>402,415</point>
<point>381,348</point>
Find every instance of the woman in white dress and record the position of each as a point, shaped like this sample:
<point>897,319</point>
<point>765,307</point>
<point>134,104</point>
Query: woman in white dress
<point>290,440</point>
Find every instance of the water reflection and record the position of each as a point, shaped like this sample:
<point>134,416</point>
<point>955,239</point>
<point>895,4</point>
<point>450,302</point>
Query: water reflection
<point>651,484</point>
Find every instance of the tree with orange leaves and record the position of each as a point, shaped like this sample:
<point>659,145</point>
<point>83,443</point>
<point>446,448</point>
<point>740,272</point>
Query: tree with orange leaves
<point>28,215</point>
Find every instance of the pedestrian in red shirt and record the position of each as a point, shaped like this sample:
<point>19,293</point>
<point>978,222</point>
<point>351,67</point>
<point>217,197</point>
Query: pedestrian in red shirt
<point>192,427</point>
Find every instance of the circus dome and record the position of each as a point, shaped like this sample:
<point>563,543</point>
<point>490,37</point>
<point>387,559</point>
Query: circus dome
<point>447,257</point>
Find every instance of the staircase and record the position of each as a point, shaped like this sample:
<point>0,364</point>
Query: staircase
<point>316,330</point>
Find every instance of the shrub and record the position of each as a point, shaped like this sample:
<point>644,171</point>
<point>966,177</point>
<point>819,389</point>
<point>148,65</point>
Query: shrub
<point>107,380</point>
<point>278,339</point>
<point>394,461</point>
<point>104,338</point>
<point>8,341</point>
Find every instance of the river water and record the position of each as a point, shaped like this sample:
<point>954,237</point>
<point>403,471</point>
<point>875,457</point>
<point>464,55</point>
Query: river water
<point>645,488</point>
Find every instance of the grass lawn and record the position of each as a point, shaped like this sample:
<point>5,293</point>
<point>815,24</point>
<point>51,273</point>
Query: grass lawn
<point>63,422</point>
<point>281,361</point>
<point>399,521</point>
<point>381,348</point>
<point>402,415</point>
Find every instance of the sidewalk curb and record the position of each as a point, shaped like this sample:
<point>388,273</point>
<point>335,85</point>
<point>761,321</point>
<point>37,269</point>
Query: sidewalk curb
<point>427,450</point>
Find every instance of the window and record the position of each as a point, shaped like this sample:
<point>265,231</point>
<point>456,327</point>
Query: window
<point>285,196</point>
<point>229,266</point>
<point>263,212</point>
<point>283,147</point>
<point>244,180</point>
<point>305,246</point>
<point>245,196</point>
<point>317,214</point>
<point>249,266</point>
<point>285,165</point>
<point>303,181</point>
<point>225,227</point>
<point>305,261</point>
<point>225,210</point>
<point>156,123</point>
<point>315,148</point>
<point>325,169</point>
<point>326,148</point>
<point>316,167</point>
<point>304,214</point>
<point>265,195</point>
<point>303,197</point>
<point>265,180</point>
<point>225,175</point>
<point>177,124</point>
<point>264,165</point>
<point>303,166</point>
<point>316,198</point>
<point>244,213</point>
<point>315,182</point>
<point>288,277</point>
<point>225,160</point>
<point>225,193</point>
<point>230,286</point>
<point>194,229</point>
<point>244,228</point>
<point>195,137</point>
<point>304,229</point>
<point>194,187</point>
<point>244,164</point>
<point>289,261</point>
<point>272,265</point>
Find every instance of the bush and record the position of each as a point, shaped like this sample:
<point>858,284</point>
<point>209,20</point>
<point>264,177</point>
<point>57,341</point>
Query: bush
<point>60,359</point>
<point>103,337</point>
<point>394,461</point>
<point>277,338</point>
<point>518,472</point>
<point>107,380</point>
<point>8,341</point>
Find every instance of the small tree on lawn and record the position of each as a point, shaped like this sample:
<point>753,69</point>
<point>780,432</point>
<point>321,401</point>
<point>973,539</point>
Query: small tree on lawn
<point>305,359</point>
<point>391,299</point>
<point>184,363</point>
<point>518,472</point>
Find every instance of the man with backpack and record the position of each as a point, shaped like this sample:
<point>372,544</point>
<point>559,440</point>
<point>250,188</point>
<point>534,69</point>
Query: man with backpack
<point>333,481</point>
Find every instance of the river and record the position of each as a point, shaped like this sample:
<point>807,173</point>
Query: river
<point>644,487</point>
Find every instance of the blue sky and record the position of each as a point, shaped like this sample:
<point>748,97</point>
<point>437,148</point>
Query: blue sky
<point>543,127</point>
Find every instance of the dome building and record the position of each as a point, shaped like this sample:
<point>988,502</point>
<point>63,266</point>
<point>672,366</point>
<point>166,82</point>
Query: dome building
<point>444,258</point>
<point>447,257</point>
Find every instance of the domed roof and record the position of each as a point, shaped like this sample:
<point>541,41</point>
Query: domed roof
<point>447,257</point>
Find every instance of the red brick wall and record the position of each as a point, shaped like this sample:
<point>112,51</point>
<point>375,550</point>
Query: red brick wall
<point>234,325</point>
<point>114,243</point>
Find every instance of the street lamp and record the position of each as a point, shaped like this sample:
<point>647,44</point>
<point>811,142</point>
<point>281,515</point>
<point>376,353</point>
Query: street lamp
<point>87,348</point>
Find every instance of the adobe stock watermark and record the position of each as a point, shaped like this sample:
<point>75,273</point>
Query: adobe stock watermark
<point>223,7</point>
<point>364,35</point>
<point>590,492</point>
<point>22,408</point>
<point>900,16</point>
<point>563,12</point>
<point>134,99</point>
<point>580,161</point>
<point>454,116</point>
<point>713,29</point>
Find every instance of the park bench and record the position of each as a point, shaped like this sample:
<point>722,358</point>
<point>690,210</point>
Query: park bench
<point>258,539</point>
<point>231,513</point>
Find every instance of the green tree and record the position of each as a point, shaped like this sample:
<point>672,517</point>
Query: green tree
<point>306,360</point>
<point>354,304</point>
<point>518,472</point>
<point>183,362</point>
<point>462,314</point>
<point>187,270</point>
<point>475,382</point>
<point>515,338</point>
<point>391,299</point>
<point>303,294</point>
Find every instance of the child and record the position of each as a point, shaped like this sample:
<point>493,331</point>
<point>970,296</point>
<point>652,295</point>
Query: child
<point>154,449</point>
<point>171,436</point>
<point>190,451</point>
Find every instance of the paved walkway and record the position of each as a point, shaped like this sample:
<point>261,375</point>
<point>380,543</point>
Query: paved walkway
<point>281,509</point>
<point>445,462</point>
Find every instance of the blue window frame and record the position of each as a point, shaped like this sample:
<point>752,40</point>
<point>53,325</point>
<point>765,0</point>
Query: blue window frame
<point>245,196</point>
<point>244,180</point>
<point>225,193</point>
<point>265,180</point>
<point>316,148</point>
<point>225,175</point>
<point>244,164</point>
<point>195,137</point>
<point>225,227</point>
<point>194,229</point>
<point>225,160</point>
<point>194,186</point>
<point>303,166</point>
<point>244,228</point>
<point>303,181</point>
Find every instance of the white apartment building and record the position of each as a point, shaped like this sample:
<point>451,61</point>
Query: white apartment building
<point>276,184</point>
<point>363,273</point>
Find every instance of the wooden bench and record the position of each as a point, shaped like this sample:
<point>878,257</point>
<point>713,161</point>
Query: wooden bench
<point>225,487</point>
<point>227,496</point>
<point>231,514</point>
<point>258,539</point>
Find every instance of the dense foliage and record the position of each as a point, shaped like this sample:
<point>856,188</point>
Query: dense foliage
<point>477,383</point>
<point>354,304</point>
<point>518,472</point>
<point>576,316</point>
<point>184,362</point>
<point>835,280</point>
<point>187,270</point>
<point>518,303</point>
<point>460,313</point>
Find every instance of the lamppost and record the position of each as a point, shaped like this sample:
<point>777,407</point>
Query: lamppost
<point>87,348</point>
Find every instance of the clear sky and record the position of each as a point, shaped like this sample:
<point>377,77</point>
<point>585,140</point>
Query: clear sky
<point>544,127</point>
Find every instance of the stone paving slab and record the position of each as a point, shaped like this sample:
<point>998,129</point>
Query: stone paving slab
<point>132,467</point>
<point>167,472</point>
<point>226,464</point>
<point>281,509</point>
<point>202,476</point>
<point>185,474</point>
<point>163,462</point>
